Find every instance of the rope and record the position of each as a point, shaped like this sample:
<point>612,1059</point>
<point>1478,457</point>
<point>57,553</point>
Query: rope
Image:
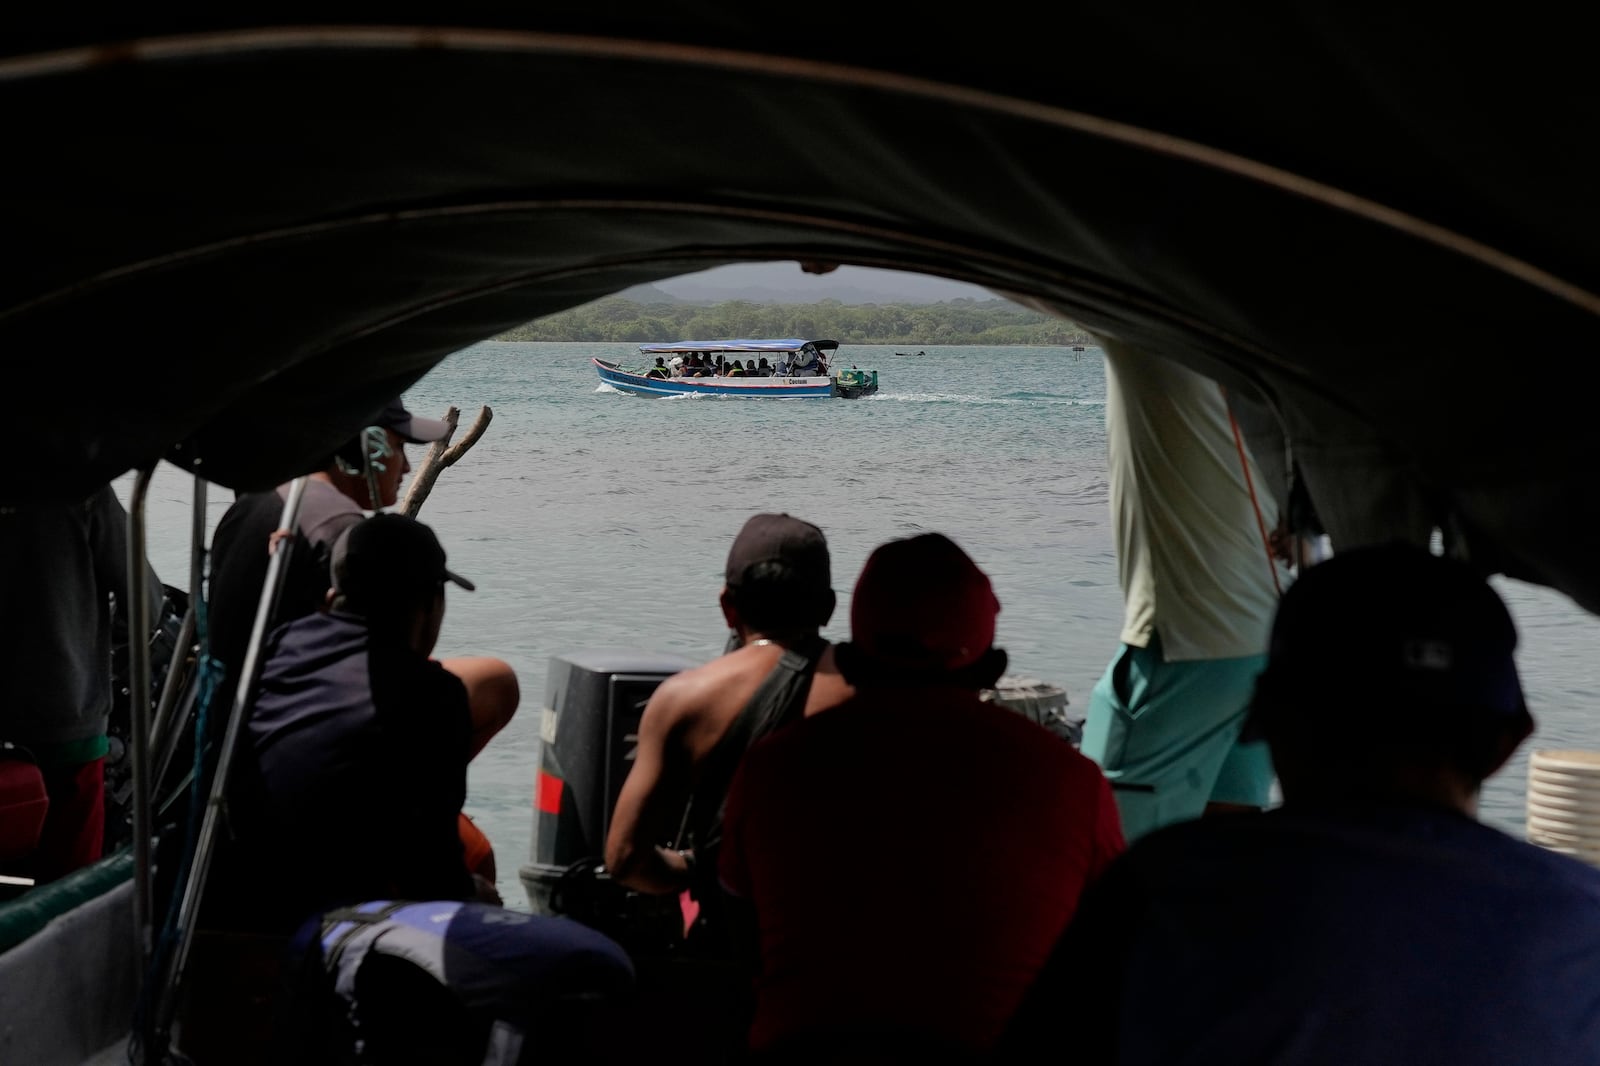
<point>1249,483</point>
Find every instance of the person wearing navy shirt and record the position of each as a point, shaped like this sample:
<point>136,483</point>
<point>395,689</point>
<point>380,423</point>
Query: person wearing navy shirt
<point>1372,918</point>
<point>355,764</point>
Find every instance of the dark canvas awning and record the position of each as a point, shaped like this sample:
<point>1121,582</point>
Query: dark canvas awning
<point>228,241</point>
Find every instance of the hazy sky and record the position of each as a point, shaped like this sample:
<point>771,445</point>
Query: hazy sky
<point>790,279</point>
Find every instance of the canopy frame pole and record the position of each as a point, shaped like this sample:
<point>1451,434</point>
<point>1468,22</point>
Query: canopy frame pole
<point>167,735</point>
<point>216,804</point>
<point>138,613</point>
<point>163,738</point>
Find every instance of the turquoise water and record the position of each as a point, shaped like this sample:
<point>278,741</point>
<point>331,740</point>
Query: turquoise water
<point>589,518</point>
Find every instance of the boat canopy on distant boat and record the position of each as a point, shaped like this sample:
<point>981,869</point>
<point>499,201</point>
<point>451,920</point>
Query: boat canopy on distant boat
<point>765,369</point>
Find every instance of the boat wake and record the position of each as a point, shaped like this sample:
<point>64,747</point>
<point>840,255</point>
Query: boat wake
<point>1019,399</point>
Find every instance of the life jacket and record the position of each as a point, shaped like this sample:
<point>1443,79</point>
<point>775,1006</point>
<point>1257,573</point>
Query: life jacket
<point>445,981</point>
<point>475,847</point>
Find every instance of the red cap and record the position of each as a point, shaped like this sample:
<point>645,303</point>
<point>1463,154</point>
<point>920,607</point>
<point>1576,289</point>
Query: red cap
<point>923,603</point>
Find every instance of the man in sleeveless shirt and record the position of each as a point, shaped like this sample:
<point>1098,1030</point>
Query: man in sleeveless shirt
<point>777,597</point>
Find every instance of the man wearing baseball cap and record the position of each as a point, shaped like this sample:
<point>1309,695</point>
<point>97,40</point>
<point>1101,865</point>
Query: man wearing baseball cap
<point>1371,918</point>
<point>777,596</point>
<point>362,476</point>
<point>354,763</point>
<point>910,855</point>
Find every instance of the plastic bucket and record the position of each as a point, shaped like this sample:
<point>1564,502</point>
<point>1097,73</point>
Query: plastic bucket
<point>1564,802</point>
<point>1558,813</point>
<point>1570,762</point>
<point>1578,835</point>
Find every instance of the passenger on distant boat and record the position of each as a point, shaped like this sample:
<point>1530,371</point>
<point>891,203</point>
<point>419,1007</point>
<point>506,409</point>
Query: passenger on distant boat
<point>1372,918</point>
<point>737,369</point>
<point>659,370</point>
<point>764,369</point>
<point>877,930</point>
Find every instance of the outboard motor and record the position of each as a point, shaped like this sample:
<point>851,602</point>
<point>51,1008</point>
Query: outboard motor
<point>1040,703</point>
<point>588,730</point>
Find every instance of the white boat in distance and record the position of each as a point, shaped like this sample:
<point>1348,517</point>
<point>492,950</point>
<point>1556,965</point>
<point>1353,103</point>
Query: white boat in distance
<point>810,379</point>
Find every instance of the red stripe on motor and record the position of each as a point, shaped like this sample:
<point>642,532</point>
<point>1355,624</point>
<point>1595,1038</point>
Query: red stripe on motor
<point>548,798</point>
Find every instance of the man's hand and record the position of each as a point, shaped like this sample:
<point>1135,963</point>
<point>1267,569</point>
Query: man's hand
<point>1282,543</point>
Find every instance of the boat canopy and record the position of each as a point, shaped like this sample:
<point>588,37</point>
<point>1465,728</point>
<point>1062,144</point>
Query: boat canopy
<point>685,347</point>
<point>233,233</point>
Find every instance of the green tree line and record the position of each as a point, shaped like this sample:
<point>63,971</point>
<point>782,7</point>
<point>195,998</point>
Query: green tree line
<point>618,320</point>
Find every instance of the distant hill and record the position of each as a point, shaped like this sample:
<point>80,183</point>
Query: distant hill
<point>786,283</point>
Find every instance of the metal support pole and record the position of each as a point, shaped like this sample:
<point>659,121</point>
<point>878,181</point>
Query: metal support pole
<point>138,612</point>
<point>216,805</point>
<point>165,736</point>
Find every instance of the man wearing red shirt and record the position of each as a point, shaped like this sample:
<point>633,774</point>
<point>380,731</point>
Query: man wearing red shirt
<point>910,855</point>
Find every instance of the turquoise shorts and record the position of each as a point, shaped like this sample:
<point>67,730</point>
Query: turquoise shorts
<point>1167,736</point>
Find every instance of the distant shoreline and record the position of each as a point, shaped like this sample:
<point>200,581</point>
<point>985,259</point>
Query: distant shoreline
<point>615,320</point>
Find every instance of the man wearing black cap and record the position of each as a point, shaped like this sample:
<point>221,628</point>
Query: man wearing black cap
<point>777,597</point>
<point>363,476</point>
<point>355,763</point>
<point>1371,919</point>
<point>911,854</point>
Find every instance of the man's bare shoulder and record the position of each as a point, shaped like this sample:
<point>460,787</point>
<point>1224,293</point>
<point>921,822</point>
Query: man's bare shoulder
<point>697,685</point>
<point>704,698</point>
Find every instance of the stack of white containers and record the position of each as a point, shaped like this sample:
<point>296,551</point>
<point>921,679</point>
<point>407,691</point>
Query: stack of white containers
<point>1564,802</point>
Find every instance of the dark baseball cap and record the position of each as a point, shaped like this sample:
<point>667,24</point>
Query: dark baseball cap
<point>922,604</point>
<point>780,538</point>
<point>390,559</point>
<point>409,426</point>
<point>1391,626</point>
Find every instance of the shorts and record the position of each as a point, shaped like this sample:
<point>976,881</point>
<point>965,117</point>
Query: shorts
<point>1166,734</point>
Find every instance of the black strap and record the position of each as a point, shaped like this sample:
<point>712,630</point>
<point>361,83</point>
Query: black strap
<point>779,699</point>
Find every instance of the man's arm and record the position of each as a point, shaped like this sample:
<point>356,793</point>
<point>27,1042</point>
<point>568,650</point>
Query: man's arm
<point>652,800</point>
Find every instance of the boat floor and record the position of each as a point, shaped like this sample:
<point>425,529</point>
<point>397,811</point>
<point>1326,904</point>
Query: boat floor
<point>115,1055</point>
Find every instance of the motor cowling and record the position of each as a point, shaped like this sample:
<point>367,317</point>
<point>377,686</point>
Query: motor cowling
<point>588,732</point>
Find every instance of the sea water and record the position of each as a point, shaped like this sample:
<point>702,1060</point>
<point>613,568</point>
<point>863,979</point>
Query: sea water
<point>590,518</point>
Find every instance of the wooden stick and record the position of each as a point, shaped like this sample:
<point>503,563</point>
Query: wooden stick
<point>441,453</point>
